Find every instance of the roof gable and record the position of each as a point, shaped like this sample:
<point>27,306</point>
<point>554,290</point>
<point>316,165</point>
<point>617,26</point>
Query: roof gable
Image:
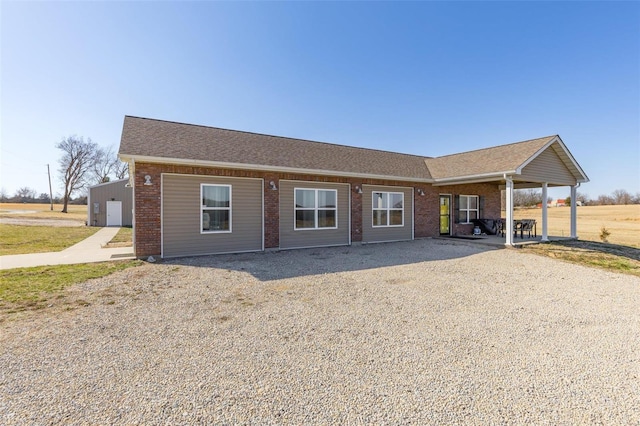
<point>510,159</point>
<point>487,161</point>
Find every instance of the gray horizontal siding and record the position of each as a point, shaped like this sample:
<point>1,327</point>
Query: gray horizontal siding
<point>380,234</point>
<point>548,167</point>
<point>181,213</point>
<point>112,191</point>
<point>291,238</point>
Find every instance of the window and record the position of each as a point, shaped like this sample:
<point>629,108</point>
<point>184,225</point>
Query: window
<point>388,208</point>
<point>316,208</point>
<point>469,208</point>
<point>216,208</point>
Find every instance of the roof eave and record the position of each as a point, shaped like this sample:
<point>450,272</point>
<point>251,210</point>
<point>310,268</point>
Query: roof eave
<point>243,166</point>
<point>479,178</point>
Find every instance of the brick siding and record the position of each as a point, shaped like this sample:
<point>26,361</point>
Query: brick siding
<point>426,219</point>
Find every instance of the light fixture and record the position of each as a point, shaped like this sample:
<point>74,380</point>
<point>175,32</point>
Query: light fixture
<point>420,192</point>
<point>358,189</point>
<point>273,186</point>
<point>147,180</point>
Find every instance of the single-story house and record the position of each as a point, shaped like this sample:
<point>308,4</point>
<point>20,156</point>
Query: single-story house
<point>110,204</point>
<point>203,190</point>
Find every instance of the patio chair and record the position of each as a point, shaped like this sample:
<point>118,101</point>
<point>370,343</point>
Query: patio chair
<point>500,227</point>
<point>528,226</point>
<point>517,226</point>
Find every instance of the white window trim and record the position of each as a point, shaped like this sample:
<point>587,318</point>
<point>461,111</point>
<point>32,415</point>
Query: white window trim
<point>203,208</point>
<point>387,209</point>
<point>477,209</point>
<point>315,209</point>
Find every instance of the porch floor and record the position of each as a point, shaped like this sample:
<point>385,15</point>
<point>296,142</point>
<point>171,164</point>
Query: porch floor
<point>499,241</point>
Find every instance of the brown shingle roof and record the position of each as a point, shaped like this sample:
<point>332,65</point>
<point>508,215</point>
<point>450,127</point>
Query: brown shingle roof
<point>503,158</point>
<point>145,137</point>
<point>155,140</point>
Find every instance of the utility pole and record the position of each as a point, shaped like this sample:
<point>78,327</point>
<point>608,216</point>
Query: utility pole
<point>50,192</point>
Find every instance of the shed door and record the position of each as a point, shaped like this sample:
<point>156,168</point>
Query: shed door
<point>114,213</point>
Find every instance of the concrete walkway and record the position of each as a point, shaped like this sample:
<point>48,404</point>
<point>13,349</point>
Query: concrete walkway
<point>86,251</point>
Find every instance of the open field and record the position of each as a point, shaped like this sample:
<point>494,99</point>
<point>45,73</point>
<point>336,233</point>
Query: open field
<point>622,221</point>
<point>42,211</point>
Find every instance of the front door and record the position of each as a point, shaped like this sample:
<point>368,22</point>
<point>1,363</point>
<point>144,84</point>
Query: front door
<point>445,214</point>
<point>114,213</point>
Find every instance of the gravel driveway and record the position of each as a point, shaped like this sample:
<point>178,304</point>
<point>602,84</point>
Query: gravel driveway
<point>422,332</point>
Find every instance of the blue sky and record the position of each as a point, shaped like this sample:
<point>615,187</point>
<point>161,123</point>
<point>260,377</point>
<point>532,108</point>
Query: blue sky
<point>430,78</point>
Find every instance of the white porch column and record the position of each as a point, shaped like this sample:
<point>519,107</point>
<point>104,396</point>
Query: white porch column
<point>574,212</point>
<point>545,237</point>
<point>509,212</point>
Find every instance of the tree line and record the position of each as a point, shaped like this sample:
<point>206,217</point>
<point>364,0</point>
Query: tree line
<point>533,197</point>
<point>82,164</point>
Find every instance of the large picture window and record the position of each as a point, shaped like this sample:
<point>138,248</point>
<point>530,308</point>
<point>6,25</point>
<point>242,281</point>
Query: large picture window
<point>216,208</point>
<point>388,209</point>
<point>469,208</point>
<point>316,208</point>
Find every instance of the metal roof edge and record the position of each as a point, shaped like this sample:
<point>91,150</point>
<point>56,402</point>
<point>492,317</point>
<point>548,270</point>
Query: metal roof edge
<point>107,183</point>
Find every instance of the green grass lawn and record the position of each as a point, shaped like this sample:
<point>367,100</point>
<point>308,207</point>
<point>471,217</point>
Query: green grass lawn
<point>124,238</point>
<point>32,288</point>
<point>612,257</point>
<point>18,239</point>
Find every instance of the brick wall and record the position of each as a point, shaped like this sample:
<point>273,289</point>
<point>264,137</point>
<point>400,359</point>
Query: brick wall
<point>426,219</point>
<point>491,200</point>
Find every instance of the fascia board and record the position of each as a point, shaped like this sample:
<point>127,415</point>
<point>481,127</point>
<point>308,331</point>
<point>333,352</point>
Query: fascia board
<point>239,166</point>
<point>484,177</point>
<point>585,178</point>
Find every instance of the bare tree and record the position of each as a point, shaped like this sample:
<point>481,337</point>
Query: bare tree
<point>102,165</point>
<point>25,194</point>
<point>583,198</point>
<point>107,164</point>
<point>620,196</point>
<point>526,197</point>
<point>121,170</point>
<point>3,195</point>
<point>604,200</point>
<point>76,163</point>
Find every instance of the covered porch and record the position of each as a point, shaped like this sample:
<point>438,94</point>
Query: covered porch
<point>538,163</point>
